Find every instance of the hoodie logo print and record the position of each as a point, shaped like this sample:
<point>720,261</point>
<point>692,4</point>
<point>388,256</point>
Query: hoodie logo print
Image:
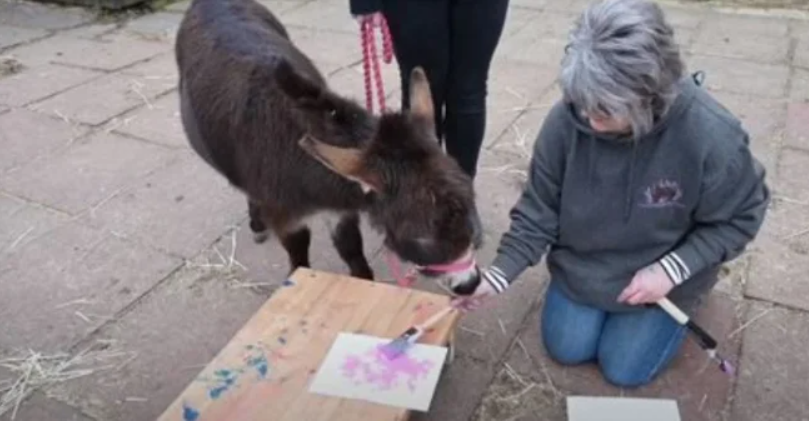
<point>663,193</point>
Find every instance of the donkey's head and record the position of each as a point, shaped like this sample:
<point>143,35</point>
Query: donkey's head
<point>418,197</point>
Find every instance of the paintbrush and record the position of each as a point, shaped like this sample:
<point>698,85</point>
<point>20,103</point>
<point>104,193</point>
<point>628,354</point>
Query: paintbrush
<point>399,345</point>
<point>706,341</point>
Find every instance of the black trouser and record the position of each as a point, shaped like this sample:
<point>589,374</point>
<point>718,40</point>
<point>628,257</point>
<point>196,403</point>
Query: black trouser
<point>454,41</point>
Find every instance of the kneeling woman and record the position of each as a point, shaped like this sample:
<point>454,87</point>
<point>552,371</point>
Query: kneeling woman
<point>641,185</point>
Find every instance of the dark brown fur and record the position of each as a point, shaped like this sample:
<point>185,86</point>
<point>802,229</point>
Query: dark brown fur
<point>257,110</point>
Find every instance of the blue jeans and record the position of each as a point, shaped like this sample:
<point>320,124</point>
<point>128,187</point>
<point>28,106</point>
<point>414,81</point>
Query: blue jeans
<point>630,348</point>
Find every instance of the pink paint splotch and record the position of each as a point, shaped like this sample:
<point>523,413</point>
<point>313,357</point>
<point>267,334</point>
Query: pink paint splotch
<point>373,368</point>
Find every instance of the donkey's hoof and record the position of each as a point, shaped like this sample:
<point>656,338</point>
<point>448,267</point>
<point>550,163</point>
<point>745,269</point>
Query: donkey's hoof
<point>260,237</point>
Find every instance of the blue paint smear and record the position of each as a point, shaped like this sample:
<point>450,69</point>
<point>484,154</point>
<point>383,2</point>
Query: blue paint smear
<point>260,364</point>
<point>222,373</point>
<point>288,283</point>
<point>189,413</point>
<point>226,380</point>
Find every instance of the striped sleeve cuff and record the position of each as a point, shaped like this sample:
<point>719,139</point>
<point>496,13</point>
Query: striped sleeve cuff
<point>675,268</point>
<point>496,278</point>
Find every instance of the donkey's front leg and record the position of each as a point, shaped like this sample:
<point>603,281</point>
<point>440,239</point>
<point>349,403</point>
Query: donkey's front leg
<point>347,240</point>
<point>257,225</point>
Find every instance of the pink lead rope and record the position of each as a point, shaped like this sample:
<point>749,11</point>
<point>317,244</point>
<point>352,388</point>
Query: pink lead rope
<point>370,59</point>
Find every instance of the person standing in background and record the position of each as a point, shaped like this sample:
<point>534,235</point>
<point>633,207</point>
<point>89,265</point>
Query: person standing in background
<point>454,41</point>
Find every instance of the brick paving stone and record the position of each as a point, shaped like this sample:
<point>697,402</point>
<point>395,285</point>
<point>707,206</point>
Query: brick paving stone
<point>26,136</point>
<point>329,50</point>
<point>87,173</point>
<point>746,25</point>
<point>283,7</point>
<point>180,209</point>
<point>161,123</point>
<point>178,6</point>
<point>11,36</point>
<point>42,81</point>
<point>739,45</point>
<point>555,25</point>
<point>459,390</point>
<point>94,32</point>
<point>797,132</point>
<point>331,15</point>
<point>70,281</point>
<point>763,118</point>
<point>80,104</point>
<point>124,91</point>
<point>529,4</point>
<point>772,378</point>
<point>799,89</point>
<point>723,74</point>
<point>801,58</point>
<point>512,129</point>
<point>161,26</point>
<point>533,49</point>
<point>702,392</point>
<point>799,29</point>
<point>39,407</point>
<point>515,397</point>
<point>87,53</point>
<point>572,6</point>
<point>24,222</point>
<point>518,18</point>
<point>792,175</point>
<point>683,18</point>
<point>156,75</point>
<point>30,14</point>
<point>781,259</point>
<point>192,315</point>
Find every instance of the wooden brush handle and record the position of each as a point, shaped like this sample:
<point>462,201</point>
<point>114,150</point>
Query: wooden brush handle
<point>435,318</point>
<point>673,310</point>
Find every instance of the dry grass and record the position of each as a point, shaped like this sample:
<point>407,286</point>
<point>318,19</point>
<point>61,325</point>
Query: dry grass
<point>19,239</point>
<point>10,66</point>
<point>137,88</point>
<point>220,266</point>
<point>35,370</point>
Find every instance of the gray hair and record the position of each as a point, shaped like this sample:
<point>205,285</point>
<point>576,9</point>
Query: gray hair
<point>622,60</point>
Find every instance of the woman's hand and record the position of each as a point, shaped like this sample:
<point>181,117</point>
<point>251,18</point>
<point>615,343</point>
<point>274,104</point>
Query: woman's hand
<point>649,285</point>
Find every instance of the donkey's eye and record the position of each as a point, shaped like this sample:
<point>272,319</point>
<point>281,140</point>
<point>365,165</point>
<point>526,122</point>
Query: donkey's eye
<point>333,112</point>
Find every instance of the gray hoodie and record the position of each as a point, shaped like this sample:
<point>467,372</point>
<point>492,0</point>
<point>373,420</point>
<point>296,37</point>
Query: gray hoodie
<point>689,195</point>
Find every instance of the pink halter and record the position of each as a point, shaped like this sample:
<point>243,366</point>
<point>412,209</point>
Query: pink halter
<point>464,263</point>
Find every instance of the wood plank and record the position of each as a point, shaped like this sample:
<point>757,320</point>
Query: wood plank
<point>293,331</point>
<point>274,315</point>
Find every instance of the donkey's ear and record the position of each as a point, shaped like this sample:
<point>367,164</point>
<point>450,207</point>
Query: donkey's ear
<point>347,162</point>
<point>421,99</point>
<point>295,85</point>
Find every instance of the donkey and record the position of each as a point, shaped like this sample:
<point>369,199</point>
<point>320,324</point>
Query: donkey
<point>258,111</point>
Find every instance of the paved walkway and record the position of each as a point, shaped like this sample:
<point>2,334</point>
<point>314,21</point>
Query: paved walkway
<point>114,237</point>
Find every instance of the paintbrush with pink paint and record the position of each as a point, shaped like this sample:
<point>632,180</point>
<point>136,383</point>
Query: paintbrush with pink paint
<point>398,346</point>
<point>706,341</point>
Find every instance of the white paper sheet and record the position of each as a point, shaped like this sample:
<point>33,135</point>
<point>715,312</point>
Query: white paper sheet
<point>621,409</point>
<point>354,368</point>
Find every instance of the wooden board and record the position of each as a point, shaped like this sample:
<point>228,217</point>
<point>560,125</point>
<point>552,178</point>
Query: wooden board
<point>264,372</point>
